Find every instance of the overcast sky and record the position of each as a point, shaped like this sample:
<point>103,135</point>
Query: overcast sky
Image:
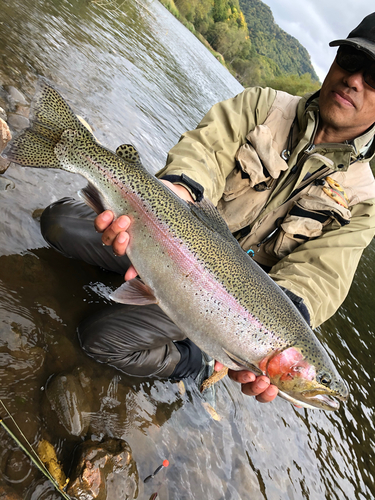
<point>315,23</point>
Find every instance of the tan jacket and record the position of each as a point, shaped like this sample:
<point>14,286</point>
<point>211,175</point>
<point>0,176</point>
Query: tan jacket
<point>312,242</point>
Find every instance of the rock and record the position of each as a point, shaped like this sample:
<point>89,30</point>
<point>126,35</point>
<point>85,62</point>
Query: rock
<point>17,122</point>
<point>6,493</point>
<point>5,135</point>
<point>3,114</point>
<point>5,184</point>
<point>104,471</point>
<point>15,95</point>
<point>69,402</point>
<point>22,110</point>
<point>17,364</point>
<point>17,468</point>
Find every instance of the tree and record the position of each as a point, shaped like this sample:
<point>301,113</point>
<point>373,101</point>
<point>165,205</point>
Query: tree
<point>294,84</point>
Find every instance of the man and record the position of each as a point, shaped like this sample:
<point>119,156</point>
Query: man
<point>291,178</point>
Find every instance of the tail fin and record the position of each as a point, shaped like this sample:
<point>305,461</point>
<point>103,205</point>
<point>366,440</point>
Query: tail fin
<point>50,116</point>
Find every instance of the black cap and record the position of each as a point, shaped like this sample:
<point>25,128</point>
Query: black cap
<point>362,37</point>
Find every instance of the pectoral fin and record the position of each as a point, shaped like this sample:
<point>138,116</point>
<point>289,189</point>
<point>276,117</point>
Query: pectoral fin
<point>92,197</point>
<point>134,292</point>
<point>242,363</point>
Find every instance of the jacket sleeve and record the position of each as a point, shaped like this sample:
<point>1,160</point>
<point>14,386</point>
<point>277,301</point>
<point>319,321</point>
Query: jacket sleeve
<point>321,271</point>
<point>207,154</point>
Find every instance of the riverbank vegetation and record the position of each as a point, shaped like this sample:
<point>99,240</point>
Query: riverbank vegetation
<point>243,36</point>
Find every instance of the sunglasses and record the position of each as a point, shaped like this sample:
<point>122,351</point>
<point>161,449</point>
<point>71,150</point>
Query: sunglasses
<point>353,60</point>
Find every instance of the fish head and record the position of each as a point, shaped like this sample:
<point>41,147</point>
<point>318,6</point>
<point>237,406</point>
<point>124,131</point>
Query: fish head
<point>310,381</point>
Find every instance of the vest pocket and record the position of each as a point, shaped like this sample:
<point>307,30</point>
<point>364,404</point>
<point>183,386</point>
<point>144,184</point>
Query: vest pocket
<point>304,221</point>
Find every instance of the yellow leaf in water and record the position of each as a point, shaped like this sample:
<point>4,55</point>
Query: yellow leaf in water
<point>47,455</point>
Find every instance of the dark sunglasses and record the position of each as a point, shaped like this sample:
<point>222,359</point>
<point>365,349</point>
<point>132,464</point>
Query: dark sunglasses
<point>353,60</point>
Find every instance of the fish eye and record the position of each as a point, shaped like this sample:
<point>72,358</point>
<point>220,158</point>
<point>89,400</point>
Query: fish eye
<point>324,379</point>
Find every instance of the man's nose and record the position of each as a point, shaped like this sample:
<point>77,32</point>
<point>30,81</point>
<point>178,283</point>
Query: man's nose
<point>355,80</point>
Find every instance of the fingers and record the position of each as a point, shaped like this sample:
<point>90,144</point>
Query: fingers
<point>218,366</point>
<point>242,377</point>
<point>268,395</point>
<point>103,220</point>
<point>130,273</point>
<point>260,387</point>
<point>114,232</point>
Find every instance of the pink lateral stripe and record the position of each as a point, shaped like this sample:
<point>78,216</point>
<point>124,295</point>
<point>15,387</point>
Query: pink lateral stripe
<point>186,261</point>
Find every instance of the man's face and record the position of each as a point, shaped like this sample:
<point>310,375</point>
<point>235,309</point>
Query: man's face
<point>347,103</point>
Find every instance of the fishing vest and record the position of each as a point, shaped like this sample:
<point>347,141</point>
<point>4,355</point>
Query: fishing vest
<point>324,198</point>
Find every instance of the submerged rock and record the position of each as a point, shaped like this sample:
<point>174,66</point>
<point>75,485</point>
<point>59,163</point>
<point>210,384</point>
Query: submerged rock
<point>69,402</point>
<point>104,471</point>
<point>5,137</point>
<point>5,184</point>
<point>15,96</point>
<point>16,468</point>
<point>6,493</point>
<point>17,122</point>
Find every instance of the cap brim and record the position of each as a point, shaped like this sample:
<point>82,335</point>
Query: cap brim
<point>358,43</point>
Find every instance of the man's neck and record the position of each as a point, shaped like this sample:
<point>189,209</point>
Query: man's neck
<point>328,135</point>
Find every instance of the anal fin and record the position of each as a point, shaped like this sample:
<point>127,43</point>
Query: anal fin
<point>134,292</point>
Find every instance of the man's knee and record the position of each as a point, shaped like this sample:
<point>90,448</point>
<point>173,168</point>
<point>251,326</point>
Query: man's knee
<point>52,220</point>
<point>132,339</point>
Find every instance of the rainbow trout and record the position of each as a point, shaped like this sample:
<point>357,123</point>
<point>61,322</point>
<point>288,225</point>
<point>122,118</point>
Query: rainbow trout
<point>189,262</point>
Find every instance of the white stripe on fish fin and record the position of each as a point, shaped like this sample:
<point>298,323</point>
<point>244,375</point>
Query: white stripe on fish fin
<point>134,292</point>
<point>92,197</point>
<point>242,363</point>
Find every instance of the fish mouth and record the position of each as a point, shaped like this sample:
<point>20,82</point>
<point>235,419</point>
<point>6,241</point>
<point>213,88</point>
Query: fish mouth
<point>313,401</point>
<point>319,393</point>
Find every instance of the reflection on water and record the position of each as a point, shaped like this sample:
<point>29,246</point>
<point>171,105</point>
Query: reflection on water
<point>138,76</point>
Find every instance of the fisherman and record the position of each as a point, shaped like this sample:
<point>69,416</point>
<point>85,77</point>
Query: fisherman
<point>292,179</point>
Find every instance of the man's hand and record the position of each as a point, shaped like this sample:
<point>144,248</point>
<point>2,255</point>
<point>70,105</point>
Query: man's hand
<point>260,387</point>
<point>115,232</point>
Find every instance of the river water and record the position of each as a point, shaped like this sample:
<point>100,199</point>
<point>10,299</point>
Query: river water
<point>138,76</point>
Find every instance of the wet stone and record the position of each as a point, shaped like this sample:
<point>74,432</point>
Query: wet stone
<point>69,403</point>
<point>22,110</point>
<point>20,364</point>
<point>5,184</point>
<point>104,471</point>
<point>3,114</point>
<point>7,493</point>
<point>15,95</point>
<point>17,468</point>
<point>17,122</point>
<point>5,135</point>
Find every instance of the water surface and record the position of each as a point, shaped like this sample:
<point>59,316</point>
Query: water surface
<point>138,76</point>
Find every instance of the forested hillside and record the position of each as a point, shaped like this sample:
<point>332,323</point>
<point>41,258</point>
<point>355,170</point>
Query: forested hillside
<point>269,40</point>
<point>243,35</point>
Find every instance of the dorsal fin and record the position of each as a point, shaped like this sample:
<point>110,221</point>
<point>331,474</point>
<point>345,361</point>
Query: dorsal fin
<point>129,154</point>
<point>207,213</point>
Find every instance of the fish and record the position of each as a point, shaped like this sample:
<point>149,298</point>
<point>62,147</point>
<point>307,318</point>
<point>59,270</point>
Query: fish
<point>187,260</point>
